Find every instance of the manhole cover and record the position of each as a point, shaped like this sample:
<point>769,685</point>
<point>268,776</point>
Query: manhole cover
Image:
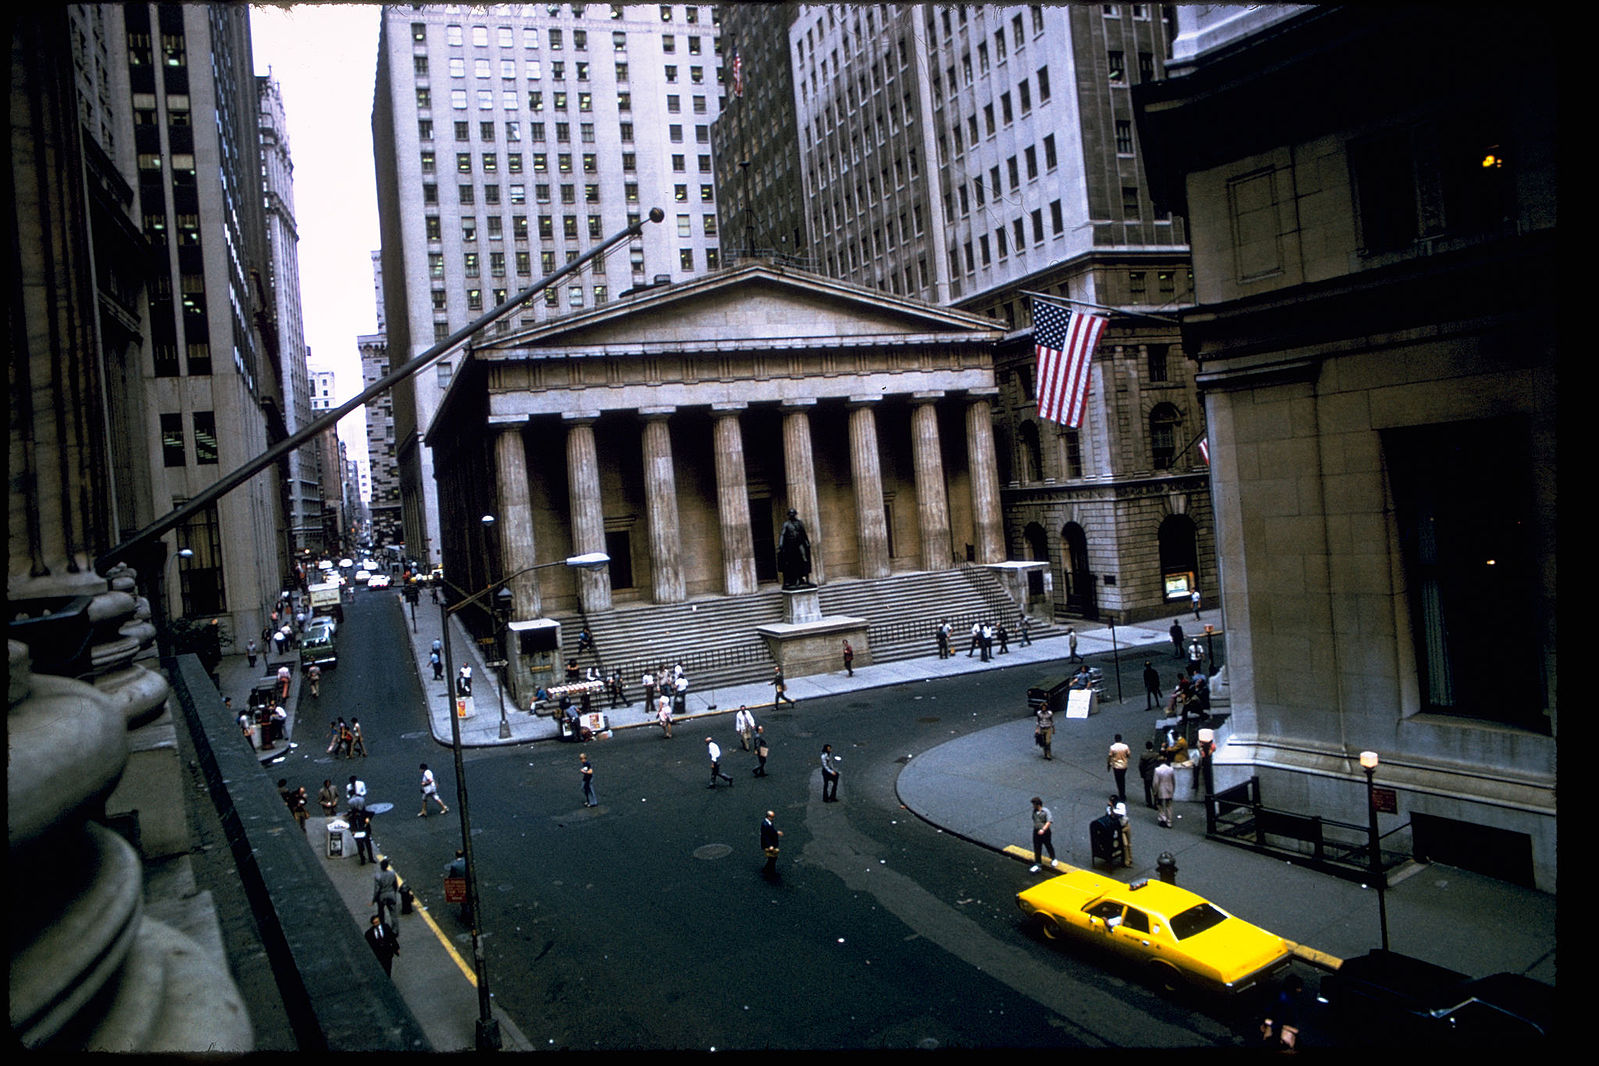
<point>713,851</point>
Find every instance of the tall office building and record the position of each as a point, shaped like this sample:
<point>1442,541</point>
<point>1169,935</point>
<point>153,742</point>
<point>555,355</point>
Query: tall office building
<point>755,140</point>
<point>302,485</point>
<point>213,384</point>
<point>508,141</point>
<point>969,155</point>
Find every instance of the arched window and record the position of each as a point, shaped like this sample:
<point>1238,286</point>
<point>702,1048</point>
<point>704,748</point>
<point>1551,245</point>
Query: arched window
<point>1163,422</point>
<point>1080,590</point>
<point>1179,552</point>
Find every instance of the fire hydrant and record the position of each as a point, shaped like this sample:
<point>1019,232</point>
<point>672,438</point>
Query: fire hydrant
<point>1166,868</point>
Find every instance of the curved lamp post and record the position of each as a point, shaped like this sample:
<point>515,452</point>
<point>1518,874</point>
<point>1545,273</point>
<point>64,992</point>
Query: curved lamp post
<point>488,1027</point>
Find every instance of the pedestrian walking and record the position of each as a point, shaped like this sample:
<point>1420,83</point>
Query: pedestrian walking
<point>438,665</point>
<point>1044,732</point>
<point>780,687</point>
<point>1027,631</point>
<point>589,798</point>
<point>1147,761</point>
<point>328,798</point>
<point>1116,760</point>
<point>430,790</point>
<point>648,681</point>
<point>715,753</point>
<point>298,801</point>
<point>1176,632</point>
<point>1196,657</point>
<point>313,674</point>
<point>386,892</point>
<point>663,713</point>
<point>1194,598</point>
<point>463,682</point>
<point>943,639</point>
<point>357,741</point>
<point>385,945</point>
<point>761,751</point>
<point>284,677</point>
<point>361,830</point>
<point>1165,789</point>
<point>977,639</point>
<point>334,729</point>
<point>830,774</point>
<point>1071,646</point>
<point>355,794</point>
<point>849,659</point>
<point>1003,637</point>
<point>1043,835</point>
<point>771,837</point>
<point>1118,809</point>
<point>744,722</point>
<point>1152,694</point>
<point>251,652</point>
<point>346,740</point>
<point>680,692</point>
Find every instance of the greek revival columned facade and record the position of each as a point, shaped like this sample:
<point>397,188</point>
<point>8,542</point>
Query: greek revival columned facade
<point>674,430</point>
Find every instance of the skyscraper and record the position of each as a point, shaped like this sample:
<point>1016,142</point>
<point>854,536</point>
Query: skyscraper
<point>508,142</point>
<point>970,155</point>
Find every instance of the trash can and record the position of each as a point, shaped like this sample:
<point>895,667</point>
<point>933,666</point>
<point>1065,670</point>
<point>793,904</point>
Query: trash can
<point>339,842</point>
<point>1105,839</point>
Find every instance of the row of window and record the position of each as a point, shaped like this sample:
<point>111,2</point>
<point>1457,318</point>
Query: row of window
<point>174,451</point>
<point>1006,241</point>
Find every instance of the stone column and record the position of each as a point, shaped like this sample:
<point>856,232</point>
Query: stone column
<point>515,525</point>
<point>660,507</point>
<point>733,501</point>
<point>866,472</point>
<point>799,469</point>
<point>932,501</point>
<point>987,525</point>
<point>588,516</point>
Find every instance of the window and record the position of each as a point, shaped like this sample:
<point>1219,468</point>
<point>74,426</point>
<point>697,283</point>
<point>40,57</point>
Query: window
<point>1124,137</point>
<point>1117,62</point>
<point>1049,151</point>
<point>1163,421</point>
<point>1156,360</point>
<point>172,446</point>
<point>205,438</point>
<point>1129,201</point>
<point>1057,223</point>
<point>1043,85</point>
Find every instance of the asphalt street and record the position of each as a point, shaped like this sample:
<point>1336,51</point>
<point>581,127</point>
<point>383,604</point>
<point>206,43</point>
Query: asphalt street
<point>644,922</point>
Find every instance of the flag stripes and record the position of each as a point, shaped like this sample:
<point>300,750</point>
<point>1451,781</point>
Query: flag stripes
<point>1064,341</point>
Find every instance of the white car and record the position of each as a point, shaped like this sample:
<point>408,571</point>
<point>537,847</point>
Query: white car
<point>378,581</point>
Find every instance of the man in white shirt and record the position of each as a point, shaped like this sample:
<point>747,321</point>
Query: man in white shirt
<point>716,763</point>
<point>744,722</point>
<point>430,788</point>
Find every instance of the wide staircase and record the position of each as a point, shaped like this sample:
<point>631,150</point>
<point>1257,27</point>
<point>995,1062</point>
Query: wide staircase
<point>715,638</point>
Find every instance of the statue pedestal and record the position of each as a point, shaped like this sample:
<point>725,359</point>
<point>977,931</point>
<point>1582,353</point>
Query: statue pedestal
<point>808,643</point>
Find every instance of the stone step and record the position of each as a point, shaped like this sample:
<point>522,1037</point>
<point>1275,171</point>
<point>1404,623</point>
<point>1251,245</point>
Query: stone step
<point>716,638</point>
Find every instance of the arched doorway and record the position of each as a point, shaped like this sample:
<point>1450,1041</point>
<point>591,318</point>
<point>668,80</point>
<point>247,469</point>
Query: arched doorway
<point>1179,556</point>
<point>1081,596</point>
<point>1037,550</point>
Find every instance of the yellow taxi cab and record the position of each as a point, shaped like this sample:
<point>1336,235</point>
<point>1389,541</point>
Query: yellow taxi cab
<point>1177,935</point>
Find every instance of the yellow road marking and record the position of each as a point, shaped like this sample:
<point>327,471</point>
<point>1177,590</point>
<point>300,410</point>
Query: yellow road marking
<point>461,964</point>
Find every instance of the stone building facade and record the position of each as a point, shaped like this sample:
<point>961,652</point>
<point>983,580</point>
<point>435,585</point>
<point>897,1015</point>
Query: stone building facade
<point>1376,341</point>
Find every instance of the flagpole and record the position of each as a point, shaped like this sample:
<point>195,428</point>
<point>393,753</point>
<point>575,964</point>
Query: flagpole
<point>1100,307</point>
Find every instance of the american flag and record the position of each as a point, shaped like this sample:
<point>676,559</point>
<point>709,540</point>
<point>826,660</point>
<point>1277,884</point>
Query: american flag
<point>738,73</point>
<point>1064,341</point>
<point>1204,449</point>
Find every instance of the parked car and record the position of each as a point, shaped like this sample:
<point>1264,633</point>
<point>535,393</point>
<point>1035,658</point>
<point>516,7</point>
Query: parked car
<point>1179,937</point>
<point>1383,997</point>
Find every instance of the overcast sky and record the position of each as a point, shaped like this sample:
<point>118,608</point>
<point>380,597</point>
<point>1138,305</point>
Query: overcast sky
<point>324,56</point>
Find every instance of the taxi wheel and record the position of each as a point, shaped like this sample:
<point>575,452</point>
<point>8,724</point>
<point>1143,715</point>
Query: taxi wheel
<point>1165,976</point>
<point>1049,926</point>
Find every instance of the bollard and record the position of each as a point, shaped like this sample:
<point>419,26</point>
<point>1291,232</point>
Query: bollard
<point>1166,868</point>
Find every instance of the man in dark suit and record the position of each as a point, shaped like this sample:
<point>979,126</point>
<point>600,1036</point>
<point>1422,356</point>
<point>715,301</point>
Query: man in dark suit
<point>385,945</point>
<point>770,836</point>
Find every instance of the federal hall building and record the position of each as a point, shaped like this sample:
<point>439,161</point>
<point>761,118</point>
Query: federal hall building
<point>674,430</point>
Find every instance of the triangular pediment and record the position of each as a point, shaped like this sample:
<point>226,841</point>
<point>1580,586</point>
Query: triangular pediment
<point>757,305</point>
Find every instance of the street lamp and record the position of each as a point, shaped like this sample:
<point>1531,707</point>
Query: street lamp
<point>488,1027</point>
<point>1368,763</point>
